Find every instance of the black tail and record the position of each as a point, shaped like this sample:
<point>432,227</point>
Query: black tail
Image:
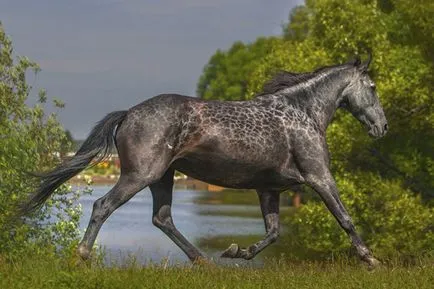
<point>97,145</point>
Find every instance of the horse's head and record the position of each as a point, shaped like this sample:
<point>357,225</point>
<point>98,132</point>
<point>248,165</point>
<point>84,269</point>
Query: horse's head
<point>361,99</point>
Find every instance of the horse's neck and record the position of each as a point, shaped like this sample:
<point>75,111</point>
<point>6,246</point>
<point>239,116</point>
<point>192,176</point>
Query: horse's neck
<point>319,101</point>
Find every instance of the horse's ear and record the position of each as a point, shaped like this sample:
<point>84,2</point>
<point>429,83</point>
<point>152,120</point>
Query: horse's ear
<point>364,66</point>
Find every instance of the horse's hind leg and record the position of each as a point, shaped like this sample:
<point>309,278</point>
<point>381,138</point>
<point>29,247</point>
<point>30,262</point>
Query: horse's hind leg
<point>162,216</point>
<point>269,201</point>
<point>126,187</point>
<point>144,160</point>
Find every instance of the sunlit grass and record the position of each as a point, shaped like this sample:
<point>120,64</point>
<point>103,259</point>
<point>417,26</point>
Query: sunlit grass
<point>54,272</point>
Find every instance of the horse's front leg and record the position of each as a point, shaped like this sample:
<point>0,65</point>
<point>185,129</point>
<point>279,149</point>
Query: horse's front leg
<point>323,183</point>
<point>269,201</point>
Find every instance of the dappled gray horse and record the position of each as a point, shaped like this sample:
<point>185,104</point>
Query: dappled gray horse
<point>270,143</point>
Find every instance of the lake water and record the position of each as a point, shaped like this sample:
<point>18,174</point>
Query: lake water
<point>129,230</point>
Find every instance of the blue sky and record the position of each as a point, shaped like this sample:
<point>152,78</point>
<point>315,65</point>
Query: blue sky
<point>104,55</point>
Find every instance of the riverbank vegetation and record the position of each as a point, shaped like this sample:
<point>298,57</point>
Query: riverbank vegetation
<point>30,141</point>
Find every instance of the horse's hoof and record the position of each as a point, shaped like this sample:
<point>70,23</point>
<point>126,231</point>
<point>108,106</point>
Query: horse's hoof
<point>372,263</point>
<point>202,261</point>
<point>231,252</point>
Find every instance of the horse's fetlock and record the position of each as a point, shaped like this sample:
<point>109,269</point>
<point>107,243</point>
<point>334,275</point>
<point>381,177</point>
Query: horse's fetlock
<point>364,252</point>
<point>274,236</point>
<point>250,252</point>
<point>347,223</point>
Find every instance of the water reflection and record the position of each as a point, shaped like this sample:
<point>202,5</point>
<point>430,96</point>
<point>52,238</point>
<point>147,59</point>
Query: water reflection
<point>130,231</point>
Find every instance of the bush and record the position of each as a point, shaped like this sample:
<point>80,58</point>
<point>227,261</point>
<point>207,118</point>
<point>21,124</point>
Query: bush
<point>391,220</point>
<point>30,141</point>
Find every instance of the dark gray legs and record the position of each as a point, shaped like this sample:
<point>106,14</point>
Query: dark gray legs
<point>325,186</point>
<point>162,217</point>
<point>125,189</point>
<point>269,202</point>
<point>128,185</point>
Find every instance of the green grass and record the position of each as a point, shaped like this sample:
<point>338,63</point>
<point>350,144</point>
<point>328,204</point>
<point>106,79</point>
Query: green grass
<point>234,197</point>
<point>274,272</point>
<point>229,197</point>
<point>284,212</point>
<point>50,272</point>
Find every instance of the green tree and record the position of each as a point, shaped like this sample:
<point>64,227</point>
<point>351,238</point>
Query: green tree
<point>419,23</point>
<point>297,28</point>
<point>70,143</point>
<point>226,74</point>
<point>30,141</point>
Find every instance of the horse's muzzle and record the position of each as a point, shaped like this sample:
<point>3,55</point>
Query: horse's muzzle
<point>378,130</point>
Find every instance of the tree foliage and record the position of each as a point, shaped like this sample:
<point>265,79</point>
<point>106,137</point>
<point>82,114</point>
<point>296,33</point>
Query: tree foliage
<point>403,76</point>
<point>298,27</point>
<point>379,179</point>
<point>227,73</point>
<point>30,141</point>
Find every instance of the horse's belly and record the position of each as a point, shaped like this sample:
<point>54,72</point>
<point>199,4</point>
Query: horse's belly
<point>231,173</point>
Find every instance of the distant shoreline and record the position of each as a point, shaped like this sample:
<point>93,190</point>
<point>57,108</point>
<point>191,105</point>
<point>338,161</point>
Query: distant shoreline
<point>189,183</point>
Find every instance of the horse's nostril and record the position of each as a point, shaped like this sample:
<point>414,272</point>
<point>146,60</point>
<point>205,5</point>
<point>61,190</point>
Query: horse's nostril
<point>386,127</point>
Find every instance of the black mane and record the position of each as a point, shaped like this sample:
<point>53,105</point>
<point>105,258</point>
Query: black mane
<point>284,79</point>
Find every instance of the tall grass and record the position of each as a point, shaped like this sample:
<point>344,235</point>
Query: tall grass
<point>55,272</point>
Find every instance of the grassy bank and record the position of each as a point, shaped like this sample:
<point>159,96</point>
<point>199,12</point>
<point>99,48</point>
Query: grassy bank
<point>235,197</point>
<point>57,273</point>
<point>255,213</point>
<point>229,197</point>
